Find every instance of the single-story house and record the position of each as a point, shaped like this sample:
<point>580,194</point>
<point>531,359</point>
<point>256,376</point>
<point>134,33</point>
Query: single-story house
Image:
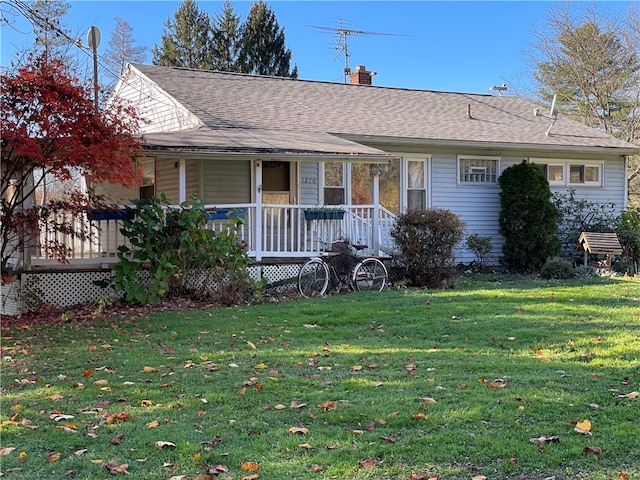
<point>278,147</point>
<point>304,161</point>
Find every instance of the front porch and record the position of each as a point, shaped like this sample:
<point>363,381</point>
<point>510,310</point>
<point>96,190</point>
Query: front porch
<point>272,232</point>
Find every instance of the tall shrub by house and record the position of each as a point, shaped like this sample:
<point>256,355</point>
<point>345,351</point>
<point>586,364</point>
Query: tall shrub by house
<point>425,240</point>
<point>528,218</point>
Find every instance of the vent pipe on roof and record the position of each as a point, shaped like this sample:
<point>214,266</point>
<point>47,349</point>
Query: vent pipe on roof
<point>469,111</point>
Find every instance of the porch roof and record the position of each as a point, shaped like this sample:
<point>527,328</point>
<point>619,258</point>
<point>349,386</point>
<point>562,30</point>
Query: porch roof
<point>263,143</point>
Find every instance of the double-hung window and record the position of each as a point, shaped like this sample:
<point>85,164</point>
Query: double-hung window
<point>334,185</point>
<point>416,192</point>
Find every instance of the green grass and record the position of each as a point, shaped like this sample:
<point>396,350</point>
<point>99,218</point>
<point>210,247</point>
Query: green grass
<point>567,351</point>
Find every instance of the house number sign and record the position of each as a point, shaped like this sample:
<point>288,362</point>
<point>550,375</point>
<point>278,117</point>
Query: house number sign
<point>311,180</point>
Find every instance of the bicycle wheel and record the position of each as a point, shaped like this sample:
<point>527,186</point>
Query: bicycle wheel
<point>370,274</point>
<point>313,278</point>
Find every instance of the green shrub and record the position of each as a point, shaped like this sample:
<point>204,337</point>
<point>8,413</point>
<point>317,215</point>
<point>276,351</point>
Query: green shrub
<point>171,253</point>
<point>480,246</point>
<point>557,269</point>
<point>577,215</point>
<point>528,218</point>
<point>586,271</point>
<point>425,240</point>
<point>628,231</point>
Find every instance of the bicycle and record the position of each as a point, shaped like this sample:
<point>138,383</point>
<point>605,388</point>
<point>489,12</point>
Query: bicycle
<point>341,266</point>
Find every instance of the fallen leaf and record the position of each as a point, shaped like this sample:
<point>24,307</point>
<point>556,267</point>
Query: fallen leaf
<point>623,476</point>
<point>326,406</point>
<point>118,418</point>
<point>116,469</point>
<point>306,446</point>
<point>161,444</point>
<point>543,440</point>
<point>153,424</point>
<point>149,369</point>
<point>316,468</point>
<point>116,439</point>
<point>250,466</point>
<point>251,345</point>
<point>632,395</point>
<point>497,383</point>
<point>6,451</point>
<point>300,430</point>
<point>101,382</point>
<point>582,426</point>
<point>597,452</point>
<point>420,416</point>
<point>52,457</point>
<point>368,463</point>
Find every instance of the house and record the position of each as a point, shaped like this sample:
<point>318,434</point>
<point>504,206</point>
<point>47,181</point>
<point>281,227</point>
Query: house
<point>277,146</point>
<point>278,150</point>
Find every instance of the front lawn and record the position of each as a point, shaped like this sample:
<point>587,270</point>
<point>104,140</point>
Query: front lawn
<point>492,378</point>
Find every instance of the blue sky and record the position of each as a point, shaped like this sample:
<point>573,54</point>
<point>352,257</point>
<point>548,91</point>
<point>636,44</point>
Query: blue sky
<point>447,45</point>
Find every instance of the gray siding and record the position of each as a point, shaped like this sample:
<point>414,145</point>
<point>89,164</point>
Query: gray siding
<point>227,181</point>
<point>478,206</point>
<point>309,183</point>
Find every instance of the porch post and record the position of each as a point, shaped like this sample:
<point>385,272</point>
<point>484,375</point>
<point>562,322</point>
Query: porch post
<point>375,190</point>
<point>258,220</point>
<point>182,181</point>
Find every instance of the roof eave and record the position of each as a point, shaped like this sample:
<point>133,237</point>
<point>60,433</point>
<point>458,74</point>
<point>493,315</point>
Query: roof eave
<point>434,143</point>
<point>283,156</point>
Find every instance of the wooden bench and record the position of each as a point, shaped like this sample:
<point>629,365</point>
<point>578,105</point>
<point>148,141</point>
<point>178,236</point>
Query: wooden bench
<point>599,243</point>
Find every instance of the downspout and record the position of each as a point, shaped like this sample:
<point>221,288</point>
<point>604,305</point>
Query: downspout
<point>625,158</point>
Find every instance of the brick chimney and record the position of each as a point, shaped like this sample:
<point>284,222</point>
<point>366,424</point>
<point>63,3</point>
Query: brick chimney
<point>361,76</point>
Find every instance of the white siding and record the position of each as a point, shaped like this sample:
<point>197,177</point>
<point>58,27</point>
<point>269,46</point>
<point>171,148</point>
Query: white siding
<point>162,112</point>
<point>226,181</point>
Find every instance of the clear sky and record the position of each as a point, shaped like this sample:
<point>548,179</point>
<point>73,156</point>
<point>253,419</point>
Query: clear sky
<point>447,45</point>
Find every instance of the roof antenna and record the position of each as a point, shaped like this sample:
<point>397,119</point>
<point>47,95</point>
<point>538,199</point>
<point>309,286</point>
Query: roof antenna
<point>342,44</point>
<point>499,88</point>
<point>553,114</point>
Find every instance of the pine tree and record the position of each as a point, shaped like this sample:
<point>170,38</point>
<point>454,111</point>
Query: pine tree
<point>226,39</point>
<point>263,50</point>
<point>186,42</point>
<point>122,49</point>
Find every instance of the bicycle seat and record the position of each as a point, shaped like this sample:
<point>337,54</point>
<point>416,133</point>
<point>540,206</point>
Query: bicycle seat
<point>359,247</point>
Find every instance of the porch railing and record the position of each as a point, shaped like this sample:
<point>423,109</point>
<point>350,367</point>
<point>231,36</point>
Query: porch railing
<point>270,231</point>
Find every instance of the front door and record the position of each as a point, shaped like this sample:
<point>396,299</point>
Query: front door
<point>276,182</point>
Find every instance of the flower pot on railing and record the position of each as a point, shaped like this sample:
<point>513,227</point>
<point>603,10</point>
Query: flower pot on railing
<point>111,214</point>
<point>224,213</point>
<point>323,214</point>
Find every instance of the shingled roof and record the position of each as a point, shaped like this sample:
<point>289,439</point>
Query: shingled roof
<point>256,105</point>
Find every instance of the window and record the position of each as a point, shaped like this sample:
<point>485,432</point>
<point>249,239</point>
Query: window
<point>147,168</point>
<point>584,174</point>
<point>554,173</point>
<point>416,194</point>
<point>333,183</point>
<point>569,173</point>
<point>477,170</point>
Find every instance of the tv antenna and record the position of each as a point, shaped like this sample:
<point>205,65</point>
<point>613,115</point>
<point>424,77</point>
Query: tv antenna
<point>553,114</point>
<point>342,41</point>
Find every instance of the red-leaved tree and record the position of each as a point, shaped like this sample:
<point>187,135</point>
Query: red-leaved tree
<point>52,132</point>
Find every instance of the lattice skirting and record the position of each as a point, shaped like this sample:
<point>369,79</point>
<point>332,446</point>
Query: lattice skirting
<point>66,289</point>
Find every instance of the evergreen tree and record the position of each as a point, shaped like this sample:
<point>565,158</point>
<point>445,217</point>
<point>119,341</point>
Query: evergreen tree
<point>528,218</point>
<point>262,44</point>
<point>226,39</point>
<point>186,42</point>
<point>591,61</point>
<point>122,49</point>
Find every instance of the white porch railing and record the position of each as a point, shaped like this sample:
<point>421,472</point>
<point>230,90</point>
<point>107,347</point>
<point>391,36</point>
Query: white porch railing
<point>280,231</point>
